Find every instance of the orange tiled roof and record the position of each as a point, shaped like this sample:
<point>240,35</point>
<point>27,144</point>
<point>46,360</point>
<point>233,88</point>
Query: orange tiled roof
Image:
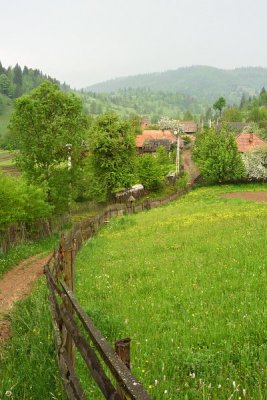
<point>249,141</point>
<point>154,135</point>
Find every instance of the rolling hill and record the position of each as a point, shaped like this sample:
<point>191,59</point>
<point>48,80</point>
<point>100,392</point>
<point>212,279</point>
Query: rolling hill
<point>204,83</point>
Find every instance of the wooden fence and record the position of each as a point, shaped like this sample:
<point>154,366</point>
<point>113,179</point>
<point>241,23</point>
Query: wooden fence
<point>21,232</point>
<point>74,329</point>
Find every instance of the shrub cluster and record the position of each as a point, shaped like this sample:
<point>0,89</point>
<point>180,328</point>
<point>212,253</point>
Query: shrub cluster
<point>255,163</point>
<point>217,156</point>
<point>21,202</point>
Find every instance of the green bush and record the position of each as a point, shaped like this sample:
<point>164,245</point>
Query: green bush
<point>217,157</point>
<point>149,172</point>
<point>20,202</point>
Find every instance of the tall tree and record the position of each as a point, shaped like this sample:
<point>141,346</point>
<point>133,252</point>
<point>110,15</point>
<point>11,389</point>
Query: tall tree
<point>43,124</point>
<point>112,146</point>
<point>242,101</point>
<point>219,105</point>
<point>6,85</point>
<point>2,69</point>
<point>17,80</point>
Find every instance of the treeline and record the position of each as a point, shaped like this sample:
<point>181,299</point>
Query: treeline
<point>14,81</point>
<point>147,102</point>
<point>255,110</point>
<point>251,111</point>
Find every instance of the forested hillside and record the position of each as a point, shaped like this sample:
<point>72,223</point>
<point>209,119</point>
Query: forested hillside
<point>14,81</point>
<point>203,82</point>
<point>151,103</point>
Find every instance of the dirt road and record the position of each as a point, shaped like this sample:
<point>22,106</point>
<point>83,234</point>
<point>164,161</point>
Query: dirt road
<point>17,284</point>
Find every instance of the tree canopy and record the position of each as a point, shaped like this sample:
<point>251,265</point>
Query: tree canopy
<point>112,147</point>
<point>217,157</point>
<point>43,123</point>
<point>219,105</point>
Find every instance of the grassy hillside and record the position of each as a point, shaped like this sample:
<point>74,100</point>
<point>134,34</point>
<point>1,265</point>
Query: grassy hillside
<point>203,82</point>
<point>188,284</point>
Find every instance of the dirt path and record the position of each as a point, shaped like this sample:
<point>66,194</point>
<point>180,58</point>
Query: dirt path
<point>17,284</point>
<point>254,196</point>
<point>190,166</point>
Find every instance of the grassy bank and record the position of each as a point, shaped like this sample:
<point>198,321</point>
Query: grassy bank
<point>20,252</point>
<point>187,283</point>
<point>28,368</point>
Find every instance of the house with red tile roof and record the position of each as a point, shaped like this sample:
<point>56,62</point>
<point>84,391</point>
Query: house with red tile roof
<point>149,140</point>
<point>249,141</point>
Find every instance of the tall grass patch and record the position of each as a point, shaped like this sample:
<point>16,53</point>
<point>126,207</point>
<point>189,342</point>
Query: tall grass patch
<point>28,368</point>
<point>187,282</point>
<point>23,251</point>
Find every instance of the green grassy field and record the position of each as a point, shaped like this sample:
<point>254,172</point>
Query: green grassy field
<point>187,282</point>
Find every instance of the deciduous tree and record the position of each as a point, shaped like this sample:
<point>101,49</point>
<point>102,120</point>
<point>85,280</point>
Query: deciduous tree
<point>43,123</point>
<point>112,148</point>
<point>217,157</point>
<point>219,105</point>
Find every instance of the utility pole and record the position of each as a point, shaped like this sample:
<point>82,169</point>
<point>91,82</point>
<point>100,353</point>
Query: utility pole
<point>177,163</point>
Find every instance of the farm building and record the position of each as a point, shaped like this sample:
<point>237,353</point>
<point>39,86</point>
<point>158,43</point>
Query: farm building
<point>150,140</point>
<point>189,127</point>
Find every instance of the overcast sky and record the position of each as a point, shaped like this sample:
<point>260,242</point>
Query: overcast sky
<point>87,41</point>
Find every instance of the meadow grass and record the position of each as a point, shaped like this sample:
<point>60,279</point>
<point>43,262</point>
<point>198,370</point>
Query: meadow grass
<point>20,252</point>
<point>187,283</point>
<point>28,367</point>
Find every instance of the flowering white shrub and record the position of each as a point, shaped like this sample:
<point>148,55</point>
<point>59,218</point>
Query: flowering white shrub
<point>255,163</point>
<point>167,123</point>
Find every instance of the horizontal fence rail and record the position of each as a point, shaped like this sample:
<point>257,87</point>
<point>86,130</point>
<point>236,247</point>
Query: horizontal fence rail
<point>73,328</point>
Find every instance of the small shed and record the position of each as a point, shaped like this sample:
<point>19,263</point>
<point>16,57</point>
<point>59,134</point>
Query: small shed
<point>189,127</point>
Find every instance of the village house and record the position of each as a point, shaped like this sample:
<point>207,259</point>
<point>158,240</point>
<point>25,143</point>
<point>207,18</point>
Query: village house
<point>249,141</point>
<point>150,140</point>
<point>189,127</point>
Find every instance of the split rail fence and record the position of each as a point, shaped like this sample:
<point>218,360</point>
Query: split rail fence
<point>73,328</point>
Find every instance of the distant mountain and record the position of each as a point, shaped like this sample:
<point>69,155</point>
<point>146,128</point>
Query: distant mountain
<point>204,83</point>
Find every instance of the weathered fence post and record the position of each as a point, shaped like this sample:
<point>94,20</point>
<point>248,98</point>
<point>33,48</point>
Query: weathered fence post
<point>122,349</point>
